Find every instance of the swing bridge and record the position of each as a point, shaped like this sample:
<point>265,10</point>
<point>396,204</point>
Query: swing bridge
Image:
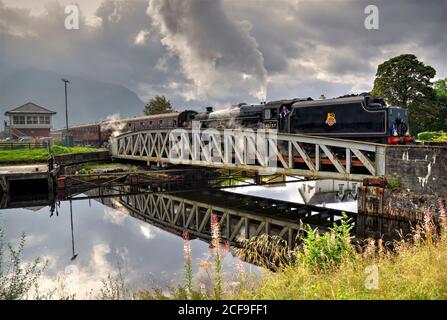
<point>262,151</point>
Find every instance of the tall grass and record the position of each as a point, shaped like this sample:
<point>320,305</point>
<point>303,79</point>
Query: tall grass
<point>215,241</point>
<point>187,264</point>
<point>413,270</point>
<point>18,280</point>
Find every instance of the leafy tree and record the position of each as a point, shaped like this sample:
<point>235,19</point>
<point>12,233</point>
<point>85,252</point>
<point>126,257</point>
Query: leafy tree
<point>405,81</point>
<point>157,105</point>
<point>440,88</point>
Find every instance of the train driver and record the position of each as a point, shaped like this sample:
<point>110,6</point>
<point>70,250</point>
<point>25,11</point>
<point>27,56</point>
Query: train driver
<point>284,112</point>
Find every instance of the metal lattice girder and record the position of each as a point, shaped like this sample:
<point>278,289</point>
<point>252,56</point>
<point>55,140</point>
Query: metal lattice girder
<point>264,151</point>
<point>180,214</point>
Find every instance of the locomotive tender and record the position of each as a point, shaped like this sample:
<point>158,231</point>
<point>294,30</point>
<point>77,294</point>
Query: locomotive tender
<point>361,117</point>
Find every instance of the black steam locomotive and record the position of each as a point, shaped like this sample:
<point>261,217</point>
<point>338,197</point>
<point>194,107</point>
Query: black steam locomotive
<point>361,117</point>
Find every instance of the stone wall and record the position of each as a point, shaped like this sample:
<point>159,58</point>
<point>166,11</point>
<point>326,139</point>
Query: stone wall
<point>400,205</point>
<point>420,169</point>
<point>75,158</point>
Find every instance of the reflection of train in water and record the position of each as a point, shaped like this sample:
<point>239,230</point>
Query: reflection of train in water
<point>361,117</point>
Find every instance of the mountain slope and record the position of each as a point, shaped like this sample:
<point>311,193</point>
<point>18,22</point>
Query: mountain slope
<point>88,100</point>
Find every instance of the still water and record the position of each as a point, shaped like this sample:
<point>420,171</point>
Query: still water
<point>90,239</point>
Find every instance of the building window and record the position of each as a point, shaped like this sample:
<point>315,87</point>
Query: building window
<point>32,120</point>
<point>18,119</point>
<point>44,119</point>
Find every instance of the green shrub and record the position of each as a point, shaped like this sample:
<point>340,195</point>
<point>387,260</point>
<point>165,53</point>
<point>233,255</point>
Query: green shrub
<point>17,279</point>
<point>432,136</point>
<point>394,183</point>
<point>329,249</point>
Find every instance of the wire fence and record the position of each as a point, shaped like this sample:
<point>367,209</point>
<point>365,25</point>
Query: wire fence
<point>22,145</point>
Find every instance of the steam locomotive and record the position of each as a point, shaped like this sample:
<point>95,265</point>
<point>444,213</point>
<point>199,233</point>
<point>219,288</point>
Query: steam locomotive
<point>357,117</point>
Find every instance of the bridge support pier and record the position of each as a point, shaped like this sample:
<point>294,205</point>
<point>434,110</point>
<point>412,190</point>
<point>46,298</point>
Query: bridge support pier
<point>380,201</point>
<point>415,184</point>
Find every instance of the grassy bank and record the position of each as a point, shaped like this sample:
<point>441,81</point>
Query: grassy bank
<point>19,156</point>
<point>417,272</point>
<point>330,267</point>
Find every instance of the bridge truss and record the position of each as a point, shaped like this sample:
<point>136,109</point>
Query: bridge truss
<point>265,152</point>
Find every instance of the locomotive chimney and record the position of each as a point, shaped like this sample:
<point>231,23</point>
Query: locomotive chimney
<point>322,97</point>
<point>209,109</point>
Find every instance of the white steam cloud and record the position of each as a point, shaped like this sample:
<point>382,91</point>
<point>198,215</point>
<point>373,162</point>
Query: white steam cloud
<point>216,53</point>
<point>114,124</point>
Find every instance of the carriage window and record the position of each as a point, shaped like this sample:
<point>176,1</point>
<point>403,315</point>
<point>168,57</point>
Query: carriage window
<point>161,122</point>
<point>175,122</point>
<point>274,113</point>
<point>267,114</point>
<point>150,123</point>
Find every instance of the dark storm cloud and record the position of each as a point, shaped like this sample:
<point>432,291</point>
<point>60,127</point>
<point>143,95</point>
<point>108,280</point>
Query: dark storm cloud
<point>304,47</point>
<point>106,52</point>
<point>326,42</point>
<point>216,53</point>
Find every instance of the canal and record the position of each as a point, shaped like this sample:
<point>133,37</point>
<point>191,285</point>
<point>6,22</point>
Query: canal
<point>89,238</point>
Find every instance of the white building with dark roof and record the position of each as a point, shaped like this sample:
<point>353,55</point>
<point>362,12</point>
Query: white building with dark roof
<point>29,120</point>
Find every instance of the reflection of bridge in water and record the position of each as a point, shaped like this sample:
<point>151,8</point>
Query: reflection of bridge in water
<point>240,216</point>
<point>179,208</point>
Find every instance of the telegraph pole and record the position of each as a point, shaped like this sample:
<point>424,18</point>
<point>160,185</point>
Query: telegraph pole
<point>66,110</point>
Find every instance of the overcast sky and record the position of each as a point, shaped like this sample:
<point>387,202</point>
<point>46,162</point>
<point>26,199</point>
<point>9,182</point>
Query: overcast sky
<point>219,52</point>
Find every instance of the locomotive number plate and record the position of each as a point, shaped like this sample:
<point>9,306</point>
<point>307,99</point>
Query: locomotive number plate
<point>271,124</point>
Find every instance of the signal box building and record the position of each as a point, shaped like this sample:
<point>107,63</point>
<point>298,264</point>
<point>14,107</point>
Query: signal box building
<point>30,120</point>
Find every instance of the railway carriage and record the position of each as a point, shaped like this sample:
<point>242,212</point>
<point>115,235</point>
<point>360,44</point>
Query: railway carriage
<point>98,134</point>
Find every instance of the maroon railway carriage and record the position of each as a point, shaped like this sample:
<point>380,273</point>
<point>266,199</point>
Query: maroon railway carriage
<point>98,134</point>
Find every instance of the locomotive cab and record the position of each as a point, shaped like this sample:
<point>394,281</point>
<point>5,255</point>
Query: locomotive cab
<point>277,114</point>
